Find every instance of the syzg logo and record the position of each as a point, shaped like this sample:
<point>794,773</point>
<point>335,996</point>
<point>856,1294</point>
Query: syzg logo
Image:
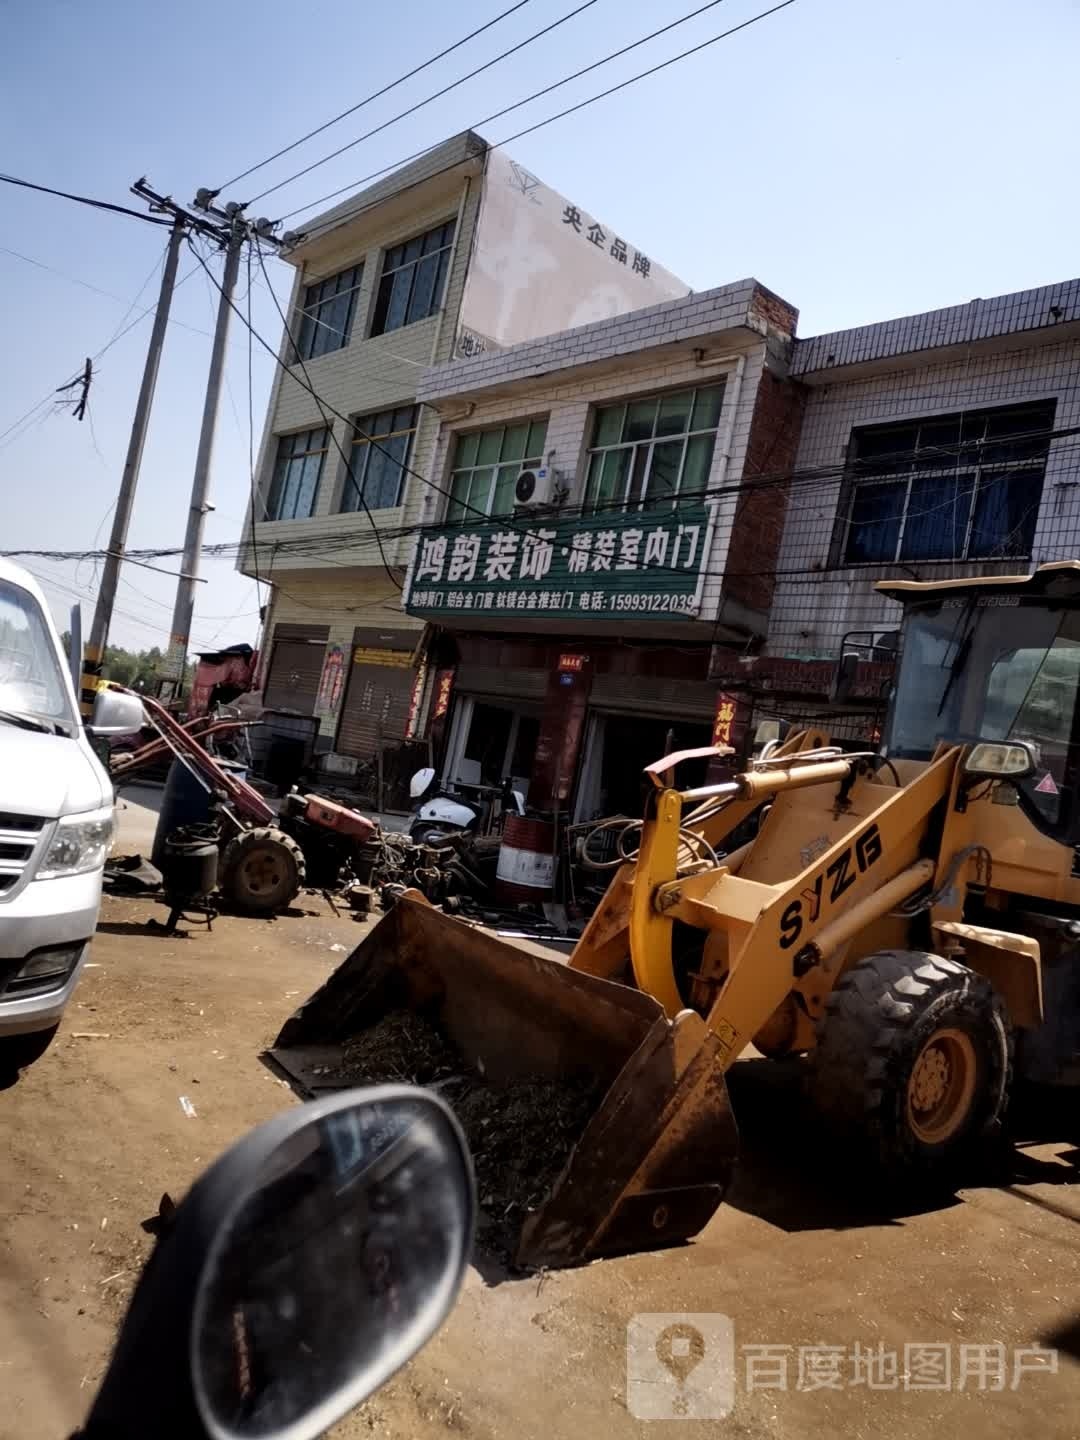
<point>827,888</point>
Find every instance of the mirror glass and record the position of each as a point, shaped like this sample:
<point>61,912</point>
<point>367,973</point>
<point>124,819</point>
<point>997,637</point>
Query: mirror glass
<point>336,1267</point>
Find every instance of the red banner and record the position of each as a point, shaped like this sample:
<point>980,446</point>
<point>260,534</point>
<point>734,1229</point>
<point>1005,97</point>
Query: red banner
<point>444,688</point>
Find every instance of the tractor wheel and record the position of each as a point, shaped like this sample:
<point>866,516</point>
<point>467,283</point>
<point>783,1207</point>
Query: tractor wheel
<point>913,1064</point>
<point>263,870</point>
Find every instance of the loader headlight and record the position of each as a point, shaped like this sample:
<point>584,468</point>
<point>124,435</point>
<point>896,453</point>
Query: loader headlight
<point>80,844</point>
<point>1011,761</point>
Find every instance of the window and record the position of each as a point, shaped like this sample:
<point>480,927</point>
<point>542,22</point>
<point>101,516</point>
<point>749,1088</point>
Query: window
<point>327,313</point>
<point>297,472</point>
<point>647,452</point>
<point>979,669</point>
<point>957,487</point>
<point>377,475</point>
<point>487,464</point>
<point>413,279</point>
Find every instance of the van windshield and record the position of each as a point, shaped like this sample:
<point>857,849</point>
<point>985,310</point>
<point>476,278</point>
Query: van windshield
<point>31,679</point>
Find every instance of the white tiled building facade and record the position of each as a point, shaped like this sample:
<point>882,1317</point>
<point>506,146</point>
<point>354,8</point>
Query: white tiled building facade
<point>989,356</point>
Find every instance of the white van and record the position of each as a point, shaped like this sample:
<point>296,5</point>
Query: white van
<point>56,819</point>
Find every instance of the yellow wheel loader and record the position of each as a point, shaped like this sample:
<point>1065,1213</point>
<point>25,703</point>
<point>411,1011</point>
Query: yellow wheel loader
<point>908,920</point>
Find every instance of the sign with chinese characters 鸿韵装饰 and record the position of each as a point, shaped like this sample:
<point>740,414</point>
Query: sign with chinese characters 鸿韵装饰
<point>645,562</point>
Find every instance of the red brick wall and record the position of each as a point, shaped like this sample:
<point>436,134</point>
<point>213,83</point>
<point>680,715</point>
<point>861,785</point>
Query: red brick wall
<point>775,311</point>
<point>759,516</point>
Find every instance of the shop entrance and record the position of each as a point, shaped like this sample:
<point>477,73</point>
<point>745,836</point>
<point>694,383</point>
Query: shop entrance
<point>617,749</point>
<point>490,740</point>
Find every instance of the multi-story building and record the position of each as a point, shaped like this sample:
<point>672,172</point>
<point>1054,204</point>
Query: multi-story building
<point>595,534</point>
<point>625,511</point>
<point>934,446</point>
<point>459,253</point>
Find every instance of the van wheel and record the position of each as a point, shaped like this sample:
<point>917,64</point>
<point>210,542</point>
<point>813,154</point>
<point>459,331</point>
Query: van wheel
<point>913,1063</point>
<point>19,1051</point>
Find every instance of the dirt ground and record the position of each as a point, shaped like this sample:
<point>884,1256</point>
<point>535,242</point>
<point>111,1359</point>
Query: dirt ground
<point>95,1132</point>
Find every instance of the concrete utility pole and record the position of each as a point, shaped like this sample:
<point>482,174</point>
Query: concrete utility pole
<point>99,630</point>
<point>180,633</point>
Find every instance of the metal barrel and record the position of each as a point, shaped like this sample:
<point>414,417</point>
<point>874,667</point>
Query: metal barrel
<point>655,1157</point>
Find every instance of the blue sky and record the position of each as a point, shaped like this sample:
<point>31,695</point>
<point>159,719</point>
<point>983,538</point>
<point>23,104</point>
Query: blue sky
<point>863,159</point>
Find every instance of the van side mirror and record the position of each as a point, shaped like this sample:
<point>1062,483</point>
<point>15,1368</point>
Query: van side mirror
<point>116,713</point>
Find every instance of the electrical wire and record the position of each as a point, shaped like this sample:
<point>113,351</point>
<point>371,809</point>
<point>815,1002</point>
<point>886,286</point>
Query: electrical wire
<point>529,130</point>
<point>85,200</point>
<point>324,407</point>
<point>346,459</point>
<point>437,95</point>
<point>322,545</point>
<point>376,95</point>
<point>536,95</point>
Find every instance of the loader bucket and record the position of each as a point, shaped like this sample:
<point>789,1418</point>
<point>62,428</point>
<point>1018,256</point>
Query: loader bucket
<point>655,1156</point>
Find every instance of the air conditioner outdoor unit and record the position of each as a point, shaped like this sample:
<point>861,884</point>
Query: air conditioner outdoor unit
<point>535,488</point>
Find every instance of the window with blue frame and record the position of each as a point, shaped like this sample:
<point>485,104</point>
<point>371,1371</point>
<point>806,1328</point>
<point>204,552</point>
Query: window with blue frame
<point>952,487</point>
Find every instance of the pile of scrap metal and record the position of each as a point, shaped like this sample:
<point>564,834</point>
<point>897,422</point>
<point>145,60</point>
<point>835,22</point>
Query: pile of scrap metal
<point>458,874</point>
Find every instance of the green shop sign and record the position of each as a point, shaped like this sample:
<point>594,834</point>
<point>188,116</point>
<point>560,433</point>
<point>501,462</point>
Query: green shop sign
<point>596,566</point>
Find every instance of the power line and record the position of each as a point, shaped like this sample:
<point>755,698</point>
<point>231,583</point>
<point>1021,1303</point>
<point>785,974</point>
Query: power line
<point>375,96</point>
<point>318,401</point>
<point>85,200</point>
<point>426,101</point>
<point>825,475</point>
<point>570,110</point>
<point>518,104</point>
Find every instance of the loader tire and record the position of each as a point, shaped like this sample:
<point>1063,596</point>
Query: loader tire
<point>263,871</point>
<point>913,1065</point>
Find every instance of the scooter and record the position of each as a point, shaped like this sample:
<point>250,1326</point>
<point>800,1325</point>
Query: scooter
<point>303,1269</point>
<point>441,812</point>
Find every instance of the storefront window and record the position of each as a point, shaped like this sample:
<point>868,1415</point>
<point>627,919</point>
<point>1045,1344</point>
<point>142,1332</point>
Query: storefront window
<point>487,464</point>
<point>649,452</point>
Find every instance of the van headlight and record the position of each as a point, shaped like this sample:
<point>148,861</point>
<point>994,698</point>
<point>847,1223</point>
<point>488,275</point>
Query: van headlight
<point>80,844</point>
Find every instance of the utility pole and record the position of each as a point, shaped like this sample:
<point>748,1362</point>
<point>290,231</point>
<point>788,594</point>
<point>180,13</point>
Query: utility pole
<point>180,632</point>
<point>99,630</point>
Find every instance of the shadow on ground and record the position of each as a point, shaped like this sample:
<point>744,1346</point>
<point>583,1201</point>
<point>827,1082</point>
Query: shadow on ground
<point>789,1174</point>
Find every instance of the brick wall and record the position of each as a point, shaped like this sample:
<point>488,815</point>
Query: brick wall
<point>758,529</point>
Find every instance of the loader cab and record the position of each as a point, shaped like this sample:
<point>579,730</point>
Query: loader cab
<point>995,665</point>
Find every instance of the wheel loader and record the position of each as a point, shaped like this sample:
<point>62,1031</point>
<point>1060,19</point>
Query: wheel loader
<point>907,919</point>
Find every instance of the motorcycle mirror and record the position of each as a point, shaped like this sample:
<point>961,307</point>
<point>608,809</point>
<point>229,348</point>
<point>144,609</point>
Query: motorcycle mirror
<point>420,781</point>
<point>304,1268</point>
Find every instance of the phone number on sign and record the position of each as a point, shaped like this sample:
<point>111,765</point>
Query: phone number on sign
<point>651,602</point>
<point>588,600</point>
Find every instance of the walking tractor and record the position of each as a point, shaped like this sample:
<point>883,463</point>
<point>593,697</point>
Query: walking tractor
<point>266,857</point>
<point>908,920</point>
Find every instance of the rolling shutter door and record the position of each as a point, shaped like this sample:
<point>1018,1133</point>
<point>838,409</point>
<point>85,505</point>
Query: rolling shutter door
<point>377,696</point>
<point>292,681</point>
<point>650,696</point>
<point>501,684</point>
